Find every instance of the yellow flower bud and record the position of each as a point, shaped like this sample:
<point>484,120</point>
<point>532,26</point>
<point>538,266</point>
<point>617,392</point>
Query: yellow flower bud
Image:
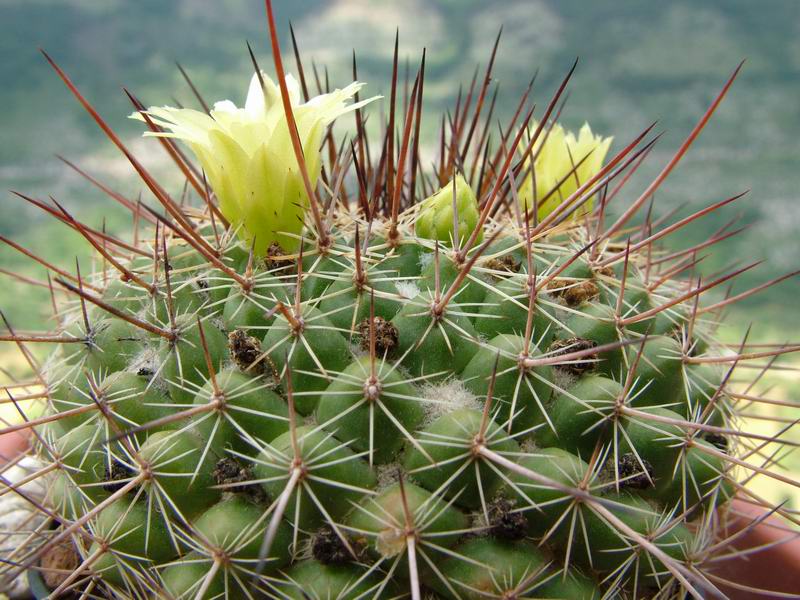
<point>555,160</point>
<point>248,158</point>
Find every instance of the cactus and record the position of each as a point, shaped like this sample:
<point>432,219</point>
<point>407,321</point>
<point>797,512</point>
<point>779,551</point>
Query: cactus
<point>337,378</point>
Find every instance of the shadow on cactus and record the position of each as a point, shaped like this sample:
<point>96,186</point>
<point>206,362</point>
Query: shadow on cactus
<point>330,371</point>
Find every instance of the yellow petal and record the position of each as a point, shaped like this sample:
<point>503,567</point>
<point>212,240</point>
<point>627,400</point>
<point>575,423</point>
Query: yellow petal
<point>248,156</point>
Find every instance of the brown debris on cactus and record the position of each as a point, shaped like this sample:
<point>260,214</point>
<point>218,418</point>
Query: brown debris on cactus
<point>579,367</point>
<point>245,351</point>
<point>385,336</point>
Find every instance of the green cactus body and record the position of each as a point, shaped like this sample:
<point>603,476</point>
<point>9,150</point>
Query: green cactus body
<point>542,504</point>
<point>365,407</point>
<point>433,347</point>
<point>387,399</point>
<point>505,310</point>
<point>452,466</point>
<point>314,350</point>
<point>328,462</point>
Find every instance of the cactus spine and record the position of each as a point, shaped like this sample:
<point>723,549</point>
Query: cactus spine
<point>310,382</point>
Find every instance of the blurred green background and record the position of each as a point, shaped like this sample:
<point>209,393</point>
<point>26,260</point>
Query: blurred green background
<point>639,62</point>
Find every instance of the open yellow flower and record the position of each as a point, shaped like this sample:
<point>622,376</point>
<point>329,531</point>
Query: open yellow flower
<point>556,157</point>
<point>248,158</point>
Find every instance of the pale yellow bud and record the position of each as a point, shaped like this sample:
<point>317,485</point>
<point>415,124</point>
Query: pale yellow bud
<point>552,180</point>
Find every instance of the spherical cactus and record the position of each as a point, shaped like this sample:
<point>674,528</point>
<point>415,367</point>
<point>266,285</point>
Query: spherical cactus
<point>326,376</point>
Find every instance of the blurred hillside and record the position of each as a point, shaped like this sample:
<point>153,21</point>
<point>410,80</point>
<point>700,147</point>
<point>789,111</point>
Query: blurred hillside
<point>638,62</point>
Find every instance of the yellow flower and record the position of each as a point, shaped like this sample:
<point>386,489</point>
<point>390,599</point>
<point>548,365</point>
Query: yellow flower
<point>554,162</point>
<point>248,158</point>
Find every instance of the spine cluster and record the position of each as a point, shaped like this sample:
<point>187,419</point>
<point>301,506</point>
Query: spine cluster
<point>453,383</point>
